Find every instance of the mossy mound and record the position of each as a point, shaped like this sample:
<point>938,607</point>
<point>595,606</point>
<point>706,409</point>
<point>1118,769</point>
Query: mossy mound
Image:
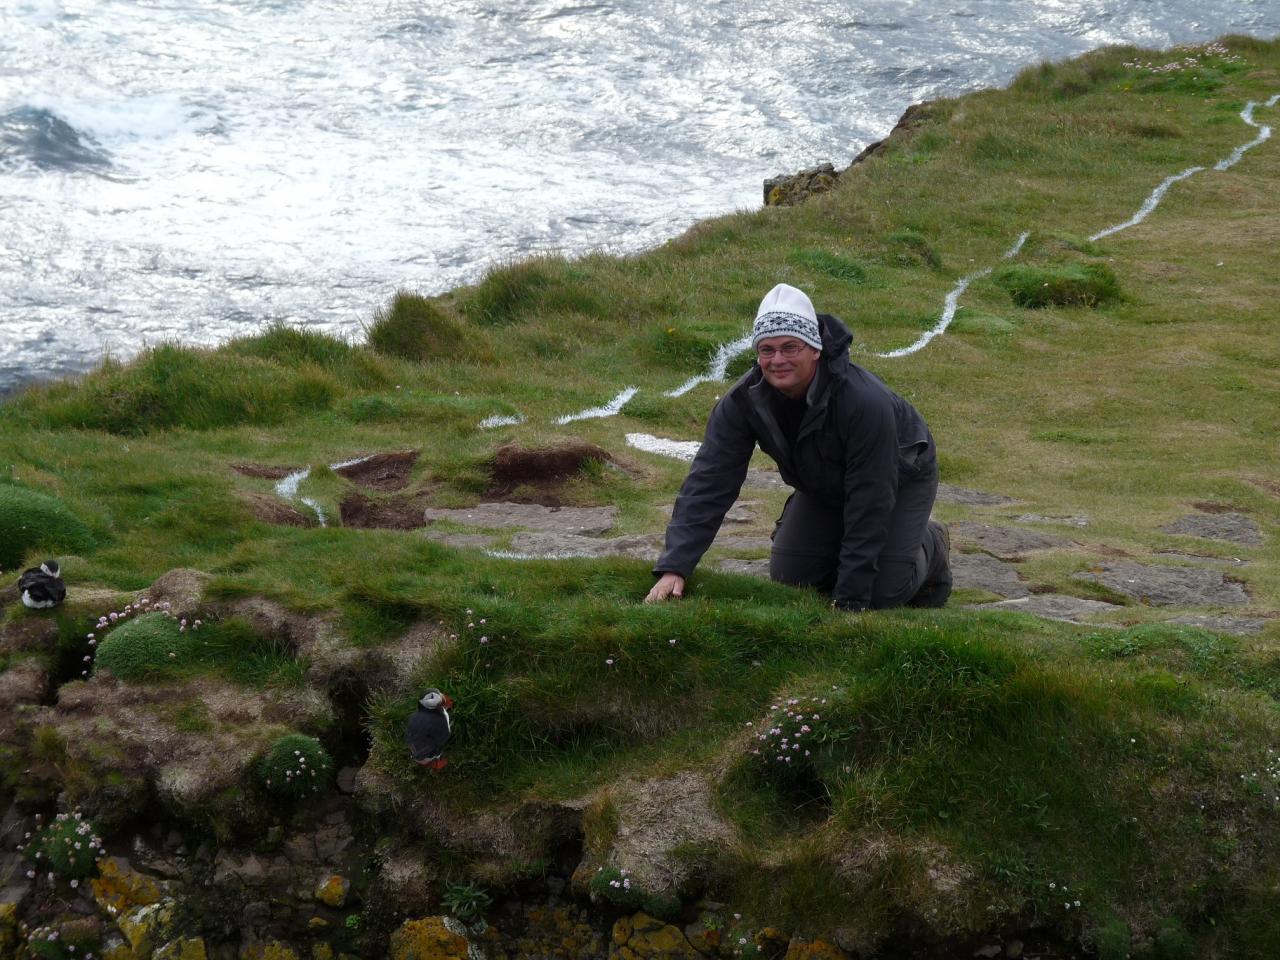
<point>151,645</point>
<point>30,519</point>
<point>1063,284</point>
<point>296,766</point>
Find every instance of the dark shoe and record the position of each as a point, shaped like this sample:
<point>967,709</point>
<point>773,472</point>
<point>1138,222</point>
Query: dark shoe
<point>936,589</point>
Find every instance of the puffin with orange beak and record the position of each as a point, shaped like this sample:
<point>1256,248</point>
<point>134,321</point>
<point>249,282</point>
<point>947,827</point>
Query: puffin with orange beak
<point>429,730</point>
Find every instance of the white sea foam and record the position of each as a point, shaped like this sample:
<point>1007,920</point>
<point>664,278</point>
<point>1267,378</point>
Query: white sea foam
<point>499,420</point>
<point>718,367</point>
<point>610,409</point>
<point>679,449</point>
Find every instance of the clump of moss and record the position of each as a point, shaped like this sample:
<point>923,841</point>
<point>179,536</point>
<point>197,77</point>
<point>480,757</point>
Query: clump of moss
<point>68,846</point>
<point>30,519</point>
<point>1063,284</point>
<point>414,328</point>
<point>150,645</point>
<point>832,265</point>
<point>912,248</point>
<point>295,766</point>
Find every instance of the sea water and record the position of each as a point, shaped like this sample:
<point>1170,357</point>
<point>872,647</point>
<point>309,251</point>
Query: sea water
<point>191,170</point>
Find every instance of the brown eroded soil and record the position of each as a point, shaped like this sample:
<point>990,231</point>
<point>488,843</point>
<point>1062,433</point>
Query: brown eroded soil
<point>262,470</point>
<point>383,471</point>
<point>402,512</point>
<point>536,474</point>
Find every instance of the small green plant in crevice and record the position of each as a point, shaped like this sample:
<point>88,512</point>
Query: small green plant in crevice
<point>295,766</point>
<point>68,847</point>
<point>466,901</point>
<point>614,886</point>
<point>64,940</point>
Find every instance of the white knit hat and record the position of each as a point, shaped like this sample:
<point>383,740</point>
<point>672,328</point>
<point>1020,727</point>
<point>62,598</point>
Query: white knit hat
<point>786,312</point>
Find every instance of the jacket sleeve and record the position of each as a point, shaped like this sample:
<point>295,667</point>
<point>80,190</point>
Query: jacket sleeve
<point>870,491</point>
<point>713,483</point>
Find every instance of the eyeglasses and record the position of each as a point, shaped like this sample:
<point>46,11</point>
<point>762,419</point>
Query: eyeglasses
<point>788,351</point>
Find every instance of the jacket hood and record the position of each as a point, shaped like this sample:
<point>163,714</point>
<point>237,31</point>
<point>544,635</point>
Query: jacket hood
<point>835,340</point>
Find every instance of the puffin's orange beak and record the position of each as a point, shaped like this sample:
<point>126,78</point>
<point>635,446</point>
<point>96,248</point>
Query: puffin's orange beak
<point>448,701</point>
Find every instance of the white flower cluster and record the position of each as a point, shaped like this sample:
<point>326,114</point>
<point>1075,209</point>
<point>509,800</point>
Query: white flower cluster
<point>1195,58</point>
<point>788,730</point>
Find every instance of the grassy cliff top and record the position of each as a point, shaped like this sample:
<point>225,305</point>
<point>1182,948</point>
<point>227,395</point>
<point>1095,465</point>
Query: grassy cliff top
<point>966,764</point>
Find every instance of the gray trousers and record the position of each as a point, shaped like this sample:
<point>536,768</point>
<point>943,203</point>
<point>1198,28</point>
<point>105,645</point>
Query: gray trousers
<point>807,538</point>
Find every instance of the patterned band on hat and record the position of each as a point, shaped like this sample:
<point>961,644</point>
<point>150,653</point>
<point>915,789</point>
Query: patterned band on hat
<point>778,323</point>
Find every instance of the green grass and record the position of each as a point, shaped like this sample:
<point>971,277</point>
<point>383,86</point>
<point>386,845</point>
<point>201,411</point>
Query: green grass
<point>30,519</point>
<point>1005,751</point>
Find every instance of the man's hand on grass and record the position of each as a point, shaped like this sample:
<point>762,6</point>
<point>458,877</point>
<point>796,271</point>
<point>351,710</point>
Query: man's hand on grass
<point>669,585</point>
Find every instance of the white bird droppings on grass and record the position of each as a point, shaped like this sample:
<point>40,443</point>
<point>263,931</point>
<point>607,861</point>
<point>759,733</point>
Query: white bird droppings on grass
<point>287,489</point>
<point>1149,204</point>
<point>719,365</point>
<point>610,409</point>
<point>498,420</point>
<point>952,302</point>
<point>1264,133</point>
<point>678,449</point>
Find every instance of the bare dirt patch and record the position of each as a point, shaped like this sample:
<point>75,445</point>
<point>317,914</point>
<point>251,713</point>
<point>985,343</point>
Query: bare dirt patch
<point>269,509</point>
<point>536,474</point>
<point>1209,506</point>
<point>1266,486</point>
<point>263,470</point>
<point>382,471</point>
<point>402,512</point>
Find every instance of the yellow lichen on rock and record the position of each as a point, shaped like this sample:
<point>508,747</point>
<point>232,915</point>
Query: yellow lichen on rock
<point>332,890</point>
<point>642,937</point>
<point>119,889</point>
<point>427,939</point>
<point>814,950</point>
<point>118,950</point>
<point>269,950</point>
<point>146,927</point>
<point>185,949</point>
<point>8,929</point>
<point>321,951</point>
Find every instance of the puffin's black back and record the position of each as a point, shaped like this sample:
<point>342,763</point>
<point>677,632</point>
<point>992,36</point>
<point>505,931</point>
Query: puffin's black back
<point>40,589</point>
<point>426,734</point>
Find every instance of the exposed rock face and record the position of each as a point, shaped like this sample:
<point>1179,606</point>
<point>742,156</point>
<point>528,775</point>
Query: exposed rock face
<point>1232,527</point>
<point>1169,586</point>
<point>428,939</point>
<point>978,571</point>
<point>1007,543</point>
<point>640,546</point>
<point>1221,623</point>
<point>948,493</point>
<point>788,190</point>
<point>642,937</point>
<point>583,521</point>
<point>749,568</point>
<point>1054,606</point>
<point>655,818</point>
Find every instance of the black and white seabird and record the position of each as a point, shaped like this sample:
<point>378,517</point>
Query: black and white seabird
<point>42,586</point>
<point>429,730</point>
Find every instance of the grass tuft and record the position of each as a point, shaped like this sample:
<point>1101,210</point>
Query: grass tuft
<point>1066,284</point>
<point>515,292</point>
<point>414,328</point>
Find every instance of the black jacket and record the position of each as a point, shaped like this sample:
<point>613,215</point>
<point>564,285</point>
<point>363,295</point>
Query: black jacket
<point>857,443</point>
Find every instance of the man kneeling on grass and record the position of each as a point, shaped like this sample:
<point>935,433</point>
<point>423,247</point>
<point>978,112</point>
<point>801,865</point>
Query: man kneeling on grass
<point>861,459</point>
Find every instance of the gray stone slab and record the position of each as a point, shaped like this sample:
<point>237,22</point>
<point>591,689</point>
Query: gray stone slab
<point>1053,606</point>
<point>971,498</point>
<point>742,511</point>
<point>1164,586</point>
<point>739,542</point>
<point>1221,623</point>
<point>1007,543</point>
<point>977,571</point>
<point>586,521</point>
<point>1068,520</point>
<point>765,480</point>
<point>1200,559</point>
<point>752,568</point>
<point>551,544</point>
<point>1233,527</point>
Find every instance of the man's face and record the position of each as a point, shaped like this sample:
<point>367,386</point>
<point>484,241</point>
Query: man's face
<point>790,375</point>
